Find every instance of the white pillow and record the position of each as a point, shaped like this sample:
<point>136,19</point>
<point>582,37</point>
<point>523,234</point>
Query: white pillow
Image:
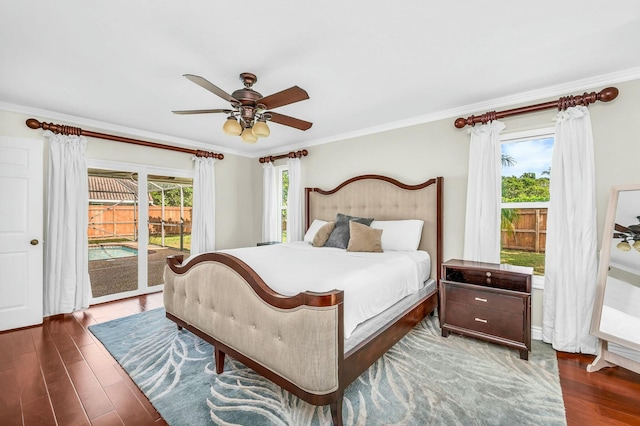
<point>313,229</point>
<point>399,235</point>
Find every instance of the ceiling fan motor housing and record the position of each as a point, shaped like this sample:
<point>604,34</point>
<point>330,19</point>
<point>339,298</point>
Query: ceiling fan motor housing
<point>247,113</point>
<point>247,98</point>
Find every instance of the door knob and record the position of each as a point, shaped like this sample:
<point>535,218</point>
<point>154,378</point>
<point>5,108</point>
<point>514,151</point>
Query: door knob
<point>34,242</point>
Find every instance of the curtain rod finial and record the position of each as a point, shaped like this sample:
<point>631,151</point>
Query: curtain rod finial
<point>32,123</point>
<point>460,122</point>
<point>608,94</point>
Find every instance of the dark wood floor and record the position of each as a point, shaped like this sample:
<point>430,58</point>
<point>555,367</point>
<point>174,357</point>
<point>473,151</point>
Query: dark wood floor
<point>610,396</point>
<point>58,373</point>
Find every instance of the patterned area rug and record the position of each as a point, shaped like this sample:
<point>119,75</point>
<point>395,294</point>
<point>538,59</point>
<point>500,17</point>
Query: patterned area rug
<point>424,379</point>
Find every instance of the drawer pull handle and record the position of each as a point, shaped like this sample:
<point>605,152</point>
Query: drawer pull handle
<point>480,299</point>
<point>481,320</point>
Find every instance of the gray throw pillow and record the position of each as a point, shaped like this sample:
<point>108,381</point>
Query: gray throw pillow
<point>340,235</point>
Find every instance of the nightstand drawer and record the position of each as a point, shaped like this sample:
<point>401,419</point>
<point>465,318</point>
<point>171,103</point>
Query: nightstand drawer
<point>484,299</point>
<point>488,277</point>
<point>488,321</point>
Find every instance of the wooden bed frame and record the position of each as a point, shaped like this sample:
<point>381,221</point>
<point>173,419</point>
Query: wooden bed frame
<point>223,301</point>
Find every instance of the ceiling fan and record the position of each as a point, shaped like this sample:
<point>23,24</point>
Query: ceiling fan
<point>250,110</point>
<point>630,236</point>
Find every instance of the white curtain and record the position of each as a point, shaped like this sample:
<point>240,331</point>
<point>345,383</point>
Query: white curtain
<point>270,206</point>
<point>484,194</point>
<point>203,225</point>
<point>294,201</point>
<point>571,257</point>
<point>66,263</point>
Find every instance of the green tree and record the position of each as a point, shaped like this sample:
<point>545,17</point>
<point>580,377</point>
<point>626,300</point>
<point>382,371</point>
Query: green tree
<point>507,160</point>
<point>526,188</point>
<point>508,220</point>
<point>285,187</point>
<point>508,217</point>
<point>172,197</point>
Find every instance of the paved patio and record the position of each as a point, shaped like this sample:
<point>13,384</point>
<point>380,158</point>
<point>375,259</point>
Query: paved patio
<point>118,275</point>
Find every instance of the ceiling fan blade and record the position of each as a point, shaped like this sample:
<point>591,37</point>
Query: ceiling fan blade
<point>622,229</point>
<point>202,82</point>
<point>285,97</point>
<point>289,121</point>
<point>202,111</point>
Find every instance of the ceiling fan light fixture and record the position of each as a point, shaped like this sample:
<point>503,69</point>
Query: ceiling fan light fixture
<point>261,130</point>
<point>636,245</point>
<point>624,246</point>
<point>248,136</point>
<point>231,127</point>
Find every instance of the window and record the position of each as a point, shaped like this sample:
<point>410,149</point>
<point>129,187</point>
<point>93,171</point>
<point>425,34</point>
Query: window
<point>282,184</point>
<point>526,168</point>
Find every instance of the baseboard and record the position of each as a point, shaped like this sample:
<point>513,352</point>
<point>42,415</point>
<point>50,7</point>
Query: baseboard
<point>536,332</point>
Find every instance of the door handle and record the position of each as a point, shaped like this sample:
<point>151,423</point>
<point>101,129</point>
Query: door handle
<point>34,242</point>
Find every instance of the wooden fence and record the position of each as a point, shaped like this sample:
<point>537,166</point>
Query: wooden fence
<point>122,221</point>
<point>530,232</point>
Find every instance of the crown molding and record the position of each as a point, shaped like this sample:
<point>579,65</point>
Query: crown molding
<point>558,90</point>
<point>489,105</point>
<point>103,126</point>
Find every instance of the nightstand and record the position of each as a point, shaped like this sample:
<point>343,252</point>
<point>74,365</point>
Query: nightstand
<point>487,301</point>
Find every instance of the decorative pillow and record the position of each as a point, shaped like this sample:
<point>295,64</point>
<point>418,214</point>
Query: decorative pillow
<point>323,234</point>
<point>311,232</point>
<point>400,235</point>
<point>340,235</point>
<point>364,238</point>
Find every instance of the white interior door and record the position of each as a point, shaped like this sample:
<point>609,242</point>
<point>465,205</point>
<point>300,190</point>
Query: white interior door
<point>21,210</point>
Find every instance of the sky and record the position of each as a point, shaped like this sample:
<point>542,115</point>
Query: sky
<point>533,155</point>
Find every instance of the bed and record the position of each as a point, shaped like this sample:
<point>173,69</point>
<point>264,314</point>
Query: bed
<point>298,341</point>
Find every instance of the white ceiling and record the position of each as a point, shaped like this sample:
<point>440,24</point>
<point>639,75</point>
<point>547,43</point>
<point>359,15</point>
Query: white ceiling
<point>367,66</point>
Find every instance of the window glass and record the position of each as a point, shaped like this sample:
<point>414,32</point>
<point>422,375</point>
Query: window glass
<point>283,191</point>
<point>526,169</point>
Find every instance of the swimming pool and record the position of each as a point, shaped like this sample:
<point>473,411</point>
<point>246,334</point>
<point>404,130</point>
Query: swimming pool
<point>111,252</point>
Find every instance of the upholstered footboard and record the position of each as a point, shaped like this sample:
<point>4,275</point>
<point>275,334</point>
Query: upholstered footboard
<point>297,342</point>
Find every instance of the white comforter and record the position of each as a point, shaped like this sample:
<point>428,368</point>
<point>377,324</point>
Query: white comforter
<point>371,282</point>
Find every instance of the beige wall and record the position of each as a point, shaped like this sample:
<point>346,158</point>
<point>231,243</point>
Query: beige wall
<point>411,155</point>
<point>417,153</point>
<point>234,193</point>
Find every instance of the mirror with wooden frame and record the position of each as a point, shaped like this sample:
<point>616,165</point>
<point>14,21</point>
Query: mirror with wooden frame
<point>616,313</point>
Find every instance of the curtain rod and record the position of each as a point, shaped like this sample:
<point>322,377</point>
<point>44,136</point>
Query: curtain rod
<point>605,95</point>
<point>70,130</point>
<point>292,154</point>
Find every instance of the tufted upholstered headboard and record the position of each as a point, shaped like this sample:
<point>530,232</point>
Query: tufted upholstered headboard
<point>384,198</point>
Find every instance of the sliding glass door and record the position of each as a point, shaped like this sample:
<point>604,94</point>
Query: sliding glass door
<point>113,232</point>
<point>137,217</point>
<point>169,222</point>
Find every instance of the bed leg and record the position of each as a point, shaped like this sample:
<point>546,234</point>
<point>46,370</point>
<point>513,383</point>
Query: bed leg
<point>336,412</point>
<point>219,356</point>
